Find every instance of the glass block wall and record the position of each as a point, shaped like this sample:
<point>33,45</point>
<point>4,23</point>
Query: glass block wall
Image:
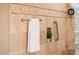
<point>76,7</point>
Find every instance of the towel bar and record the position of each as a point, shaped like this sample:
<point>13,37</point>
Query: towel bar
<point>22,20</point>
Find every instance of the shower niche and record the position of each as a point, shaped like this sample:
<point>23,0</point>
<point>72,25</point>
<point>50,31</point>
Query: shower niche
<point>49,34</point>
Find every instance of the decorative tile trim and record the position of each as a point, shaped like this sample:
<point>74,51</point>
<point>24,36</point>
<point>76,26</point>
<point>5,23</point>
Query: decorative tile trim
<point>25,9</point>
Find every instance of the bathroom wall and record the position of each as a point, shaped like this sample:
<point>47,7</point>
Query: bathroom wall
<point>4,29</point>
<point>19,29</point>
<point>13,39</point>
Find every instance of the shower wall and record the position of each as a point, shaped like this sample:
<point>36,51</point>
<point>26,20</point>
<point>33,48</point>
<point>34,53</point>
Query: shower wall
<point>4,29</point>
<point>18,33</point>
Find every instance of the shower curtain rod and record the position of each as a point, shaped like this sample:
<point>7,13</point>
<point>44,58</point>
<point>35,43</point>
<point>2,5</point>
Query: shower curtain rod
<point>39,15</point>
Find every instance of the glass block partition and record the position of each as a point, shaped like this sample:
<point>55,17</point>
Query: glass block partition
<point>76,7</point>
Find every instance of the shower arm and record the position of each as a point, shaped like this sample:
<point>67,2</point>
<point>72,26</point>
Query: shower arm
<point>56,30</point>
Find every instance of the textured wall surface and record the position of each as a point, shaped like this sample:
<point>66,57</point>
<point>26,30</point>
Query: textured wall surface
<point>4,29</point>
<point>19,30</point>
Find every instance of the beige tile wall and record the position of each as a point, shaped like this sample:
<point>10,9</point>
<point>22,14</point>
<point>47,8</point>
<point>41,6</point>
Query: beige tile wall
<point>4,29</point>
<point>18,30</point>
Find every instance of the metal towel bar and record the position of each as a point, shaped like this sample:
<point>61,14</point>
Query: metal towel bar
<point>22,20</point>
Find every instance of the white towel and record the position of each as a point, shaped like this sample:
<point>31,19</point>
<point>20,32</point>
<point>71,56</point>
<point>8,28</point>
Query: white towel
<point>34,35</point>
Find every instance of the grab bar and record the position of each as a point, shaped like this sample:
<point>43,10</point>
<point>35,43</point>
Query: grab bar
<point>56,30</point>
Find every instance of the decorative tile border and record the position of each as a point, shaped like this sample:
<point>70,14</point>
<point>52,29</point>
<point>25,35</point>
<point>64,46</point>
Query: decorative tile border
<point>31,10</point>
